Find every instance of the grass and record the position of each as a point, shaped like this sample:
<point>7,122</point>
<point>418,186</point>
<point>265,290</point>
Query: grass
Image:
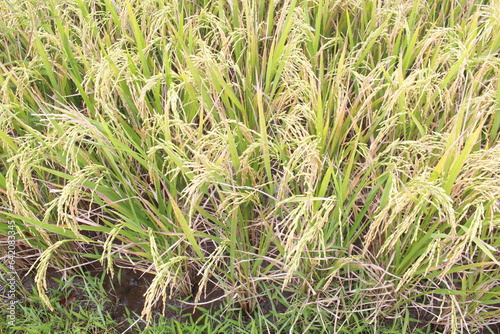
<point>347,152</point>
<point>88,316</point>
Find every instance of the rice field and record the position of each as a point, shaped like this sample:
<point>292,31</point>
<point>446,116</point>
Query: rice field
<point>341,158</point>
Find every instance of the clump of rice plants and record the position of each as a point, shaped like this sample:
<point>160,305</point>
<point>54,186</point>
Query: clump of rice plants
<point>344,151</point>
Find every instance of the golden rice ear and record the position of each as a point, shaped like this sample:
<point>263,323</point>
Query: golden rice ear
<point>42,264</point>
<point>107,250</point>
<point>169,276</point>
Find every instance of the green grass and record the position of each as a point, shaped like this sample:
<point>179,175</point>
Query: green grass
<point>346,151</point>
<point>86,315</point>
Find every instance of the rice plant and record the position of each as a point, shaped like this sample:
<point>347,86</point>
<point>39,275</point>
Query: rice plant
<point>347,151</point>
